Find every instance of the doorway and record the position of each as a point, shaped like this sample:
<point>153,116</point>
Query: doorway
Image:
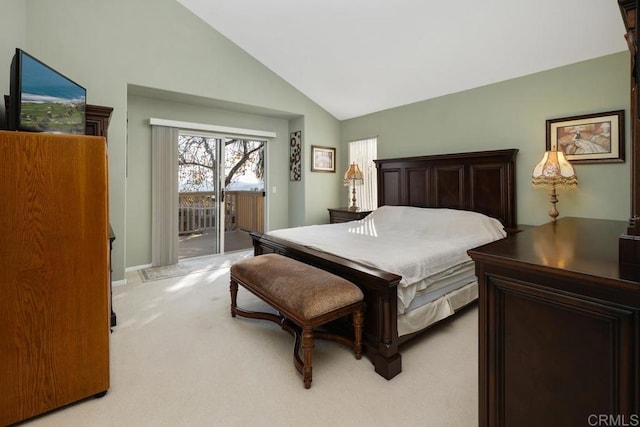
<point>220,193</point>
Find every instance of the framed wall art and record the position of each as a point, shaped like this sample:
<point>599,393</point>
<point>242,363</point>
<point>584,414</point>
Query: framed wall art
<point>590,138</point>
<point>323,159</point>
<point>295,156</point>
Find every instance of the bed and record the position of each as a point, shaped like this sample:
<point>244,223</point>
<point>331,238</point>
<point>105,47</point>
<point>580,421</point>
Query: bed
<point>481,182</point>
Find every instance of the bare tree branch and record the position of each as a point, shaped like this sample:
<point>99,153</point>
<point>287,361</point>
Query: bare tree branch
<point>196,156</point>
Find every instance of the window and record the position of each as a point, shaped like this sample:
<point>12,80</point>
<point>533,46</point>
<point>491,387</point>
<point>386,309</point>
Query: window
<point>363,152</point>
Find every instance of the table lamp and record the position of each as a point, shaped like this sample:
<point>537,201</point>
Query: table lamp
<point>554,171</point>
<point>353,176</point>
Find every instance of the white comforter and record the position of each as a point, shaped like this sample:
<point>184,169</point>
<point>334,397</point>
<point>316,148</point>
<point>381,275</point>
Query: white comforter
<point>414,243</point>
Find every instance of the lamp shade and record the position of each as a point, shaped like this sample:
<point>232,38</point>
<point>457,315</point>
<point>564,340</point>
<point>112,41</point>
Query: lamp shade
<point>554,170</point>
<point>353,175</point>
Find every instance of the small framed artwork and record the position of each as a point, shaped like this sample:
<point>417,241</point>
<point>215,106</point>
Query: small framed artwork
<point>323,159</point>
<point>590,138</point>
<point>295,156</point>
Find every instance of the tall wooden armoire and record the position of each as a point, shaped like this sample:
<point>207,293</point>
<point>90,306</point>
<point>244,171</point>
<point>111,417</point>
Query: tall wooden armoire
<point>54,272</point>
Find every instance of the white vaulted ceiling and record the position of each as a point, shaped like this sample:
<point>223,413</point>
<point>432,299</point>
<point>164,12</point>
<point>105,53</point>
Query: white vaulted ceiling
<point>355,57</point>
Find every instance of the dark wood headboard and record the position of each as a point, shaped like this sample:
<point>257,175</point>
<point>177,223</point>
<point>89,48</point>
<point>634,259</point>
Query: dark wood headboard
<point>482,181</point>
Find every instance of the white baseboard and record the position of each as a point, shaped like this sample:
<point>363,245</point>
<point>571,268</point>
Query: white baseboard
<point>136,267</point>
<point>119,282</point>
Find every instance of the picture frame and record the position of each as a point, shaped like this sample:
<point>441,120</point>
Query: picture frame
<point>589,138</point>
<point>295,156</point>
<point>323,159</point>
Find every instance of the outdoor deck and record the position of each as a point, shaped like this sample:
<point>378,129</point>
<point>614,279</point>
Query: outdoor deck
<point>244,210</point>
<point>201,244</point>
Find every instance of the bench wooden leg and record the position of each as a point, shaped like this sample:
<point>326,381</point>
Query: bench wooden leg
<point>237,311</point>
<point>358,321</point>
<point>233,288</point>
<point>307,353</point>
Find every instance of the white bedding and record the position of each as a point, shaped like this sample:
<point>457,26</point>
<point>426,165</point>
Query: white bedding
<point>441,308</point>
<point>427,247</point>
<point>415,243</point>
<point>435,286</point>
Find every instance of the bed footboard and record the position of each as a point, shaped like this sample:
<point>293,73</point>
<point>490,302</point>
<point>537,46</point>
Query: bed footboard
<point>380,338</point>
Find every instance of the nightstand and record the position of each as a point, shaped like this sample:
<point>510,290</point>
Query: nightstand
<point>344,214</point>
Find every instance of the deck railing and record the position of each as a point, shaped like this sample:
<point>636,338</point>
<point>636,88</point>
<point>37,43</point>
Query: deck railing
<point>196,212</point>
<point>243,209</point>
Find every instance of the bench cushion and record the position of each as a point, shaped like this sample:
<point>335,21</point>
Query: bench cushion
<point>300,288</point>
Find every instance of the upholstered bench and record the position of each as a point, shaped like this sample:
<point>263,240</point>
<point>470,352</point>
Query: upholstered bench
<point>306,298</point>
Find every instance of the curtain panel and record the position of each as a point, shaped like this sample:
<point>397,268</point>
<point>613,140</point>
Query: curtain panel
<point>363,153</point>
<point>164,195</point>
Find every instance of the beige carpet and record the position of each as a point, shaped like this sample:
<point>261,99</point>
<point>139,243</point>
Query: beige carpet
<point>179,359</point>
<point>193,265</point>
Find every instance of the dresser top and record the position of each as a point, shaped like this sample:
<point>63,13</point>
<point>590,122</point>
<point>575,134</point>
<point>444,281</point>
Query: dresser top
<point>569,246</point>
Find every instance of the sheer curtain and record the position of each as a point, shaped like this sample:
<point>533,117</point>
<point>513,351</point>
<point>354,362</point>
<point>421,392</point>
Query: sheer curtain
<point>363,152</point>
<point>164,195</point>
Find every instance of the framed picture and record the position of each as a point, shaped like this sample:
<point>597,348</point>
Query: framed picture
<point>295,156</point>
<point>323,159</point>
<point>591,138</point>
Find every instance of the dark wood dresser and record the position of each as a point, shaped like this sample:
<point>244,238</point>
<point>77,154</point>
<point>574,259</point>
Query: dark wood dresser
<point>559,327</point>
<point>344,214</point>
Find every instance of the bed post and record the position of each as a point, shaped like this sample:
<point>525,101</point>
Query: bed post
<point>386,358</point>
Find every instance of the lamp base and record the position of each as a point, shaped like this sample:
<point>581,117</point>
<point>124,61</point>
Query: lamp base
<point>553,212</point>
<point>353,206</point>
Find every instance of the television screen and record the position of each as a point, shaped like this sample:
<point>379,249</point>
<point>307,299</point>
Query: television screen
<point>44,100</point>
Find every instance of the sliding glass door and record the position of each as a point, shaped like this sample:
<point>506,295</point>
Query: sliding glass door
<point>199,193</point>
<point>244,191</point>
<point>220,193</point>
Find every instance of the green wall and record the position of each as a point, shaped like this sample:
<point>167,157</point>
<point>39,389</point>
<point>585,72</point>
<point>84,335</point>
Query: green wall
<point>513,114</point>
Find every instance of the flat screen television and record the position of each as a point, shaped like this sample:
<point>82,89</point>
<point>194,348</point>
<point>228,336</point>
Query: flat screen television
<point>43,100</point>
